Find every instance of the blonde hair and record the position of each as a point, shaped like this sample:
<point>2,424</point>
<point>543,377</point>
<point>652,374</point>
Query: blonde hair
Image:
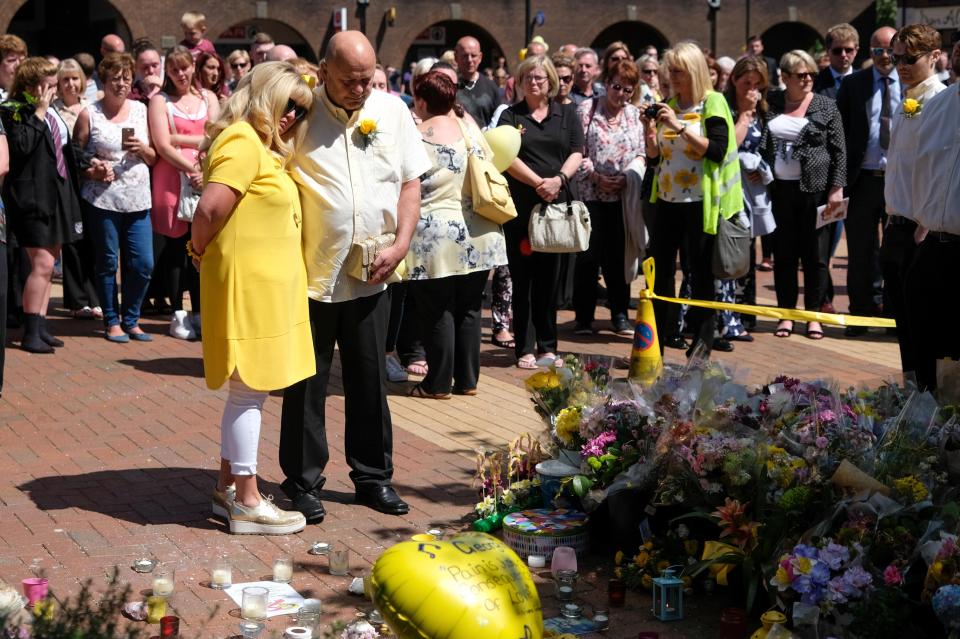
<point>68,66</point>
<point>793,60</point>
<point>531,63</point>
<point>688,57</point>
<point>237,55</point>
<point>843,32</point>
<point>260,99</point>
<point>193,20</point>
<point>31,73</point>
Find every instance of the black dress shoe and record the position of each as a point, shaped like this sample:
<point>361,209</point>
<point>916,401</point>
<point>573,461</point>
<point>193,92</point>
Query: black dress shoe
<point>722,345</point>
<point>383,499</point>
<point>306,502</point>
<point>676,341</point>
<point>855,331</point>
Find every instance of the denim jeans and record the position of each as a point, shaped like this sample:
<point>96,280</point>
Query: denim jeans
<point>132,234</point>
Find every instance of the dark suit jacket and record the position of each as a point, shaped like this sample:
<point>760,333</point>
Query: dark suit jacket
<point>852,99</point>
<point>30,190</point>
<point>824,84</point>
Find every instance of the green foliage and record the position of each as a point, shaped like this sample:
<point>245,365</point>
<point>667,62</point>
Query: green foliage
<point>88,616</point>
<point>884,615</point>
<point>886,13</point>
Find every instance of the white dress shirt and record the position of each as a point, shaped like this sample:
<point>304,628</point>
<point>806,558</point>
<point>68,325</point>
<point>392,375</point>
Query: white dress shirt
<point>350,185</point>
<point>903,148</point>
<point>875,157</point>
<point>936,169</point>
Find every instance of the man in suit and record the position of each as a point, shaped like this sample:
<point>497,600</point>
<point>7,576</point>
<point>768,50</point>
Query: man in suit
<point>843,43</point>
<point>867,101</point>
<point>755,47</point>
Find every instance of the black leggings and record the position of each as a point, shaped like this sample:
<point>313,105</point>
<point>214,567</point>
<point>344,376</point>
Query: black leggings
<point>174,272</point>
<point>798,240</point>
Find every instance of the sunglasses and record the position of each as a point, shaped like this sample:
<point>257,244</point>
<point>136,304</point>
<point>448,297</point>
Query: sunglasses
<point>298,111</point>
<point>806,75</point>
<point>565,78</point>
<point>239,65</point>
<point>650,72</point>
<point>622,89</point>
<point>879,51</point>
<point>908,59</point>
<point>839,50</point>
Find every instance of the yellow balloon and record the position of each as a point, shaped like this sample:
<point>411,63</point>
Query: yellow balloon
<point>504,141</point>
<point>470,586</point>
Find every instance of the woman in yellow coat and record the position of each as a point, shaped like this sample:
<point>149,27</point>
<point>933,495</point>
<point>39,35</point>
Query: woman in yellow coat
<point>253,282</point>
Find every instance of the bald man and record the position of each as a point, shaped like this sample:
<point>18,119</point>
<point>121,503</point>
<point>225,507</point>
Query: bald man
<point>867,101</point>
<point>353,187</point>
<point>281,53</point>
<point>477,93</point>
<point>110,43</point>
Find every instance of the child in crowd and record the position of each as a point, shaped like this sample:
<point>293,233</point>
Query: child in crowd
<point>194,26</point>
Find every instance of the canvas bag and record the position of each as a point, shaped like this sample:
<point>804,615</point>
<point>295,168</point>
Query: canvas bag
<point>560,227</point>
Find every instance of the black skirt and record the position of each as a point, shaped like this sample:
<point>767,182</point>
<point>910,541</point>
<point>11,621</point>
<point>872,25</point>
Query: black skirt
<point>62,226</point>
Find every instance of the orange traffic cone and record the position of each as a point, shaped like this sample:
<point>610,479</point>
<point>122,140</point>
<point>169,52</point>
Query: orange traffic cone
<point>646,363</point>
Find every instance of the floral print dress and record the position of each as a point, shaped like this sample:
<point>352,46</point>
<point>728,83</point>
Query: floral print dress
<point>450,238</point>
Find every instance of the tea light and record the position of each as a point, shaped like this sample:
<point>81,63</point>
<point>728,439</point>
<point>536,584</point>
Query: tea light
<point>320,548</point>
<point>565,592</point>
<point>283,570</point>
<point>221,577</point>
<point>162,586</point>
<point>436,532</point>
<point>570,610</point>
<point>601,620</point>
<point>144,564</point>
<point>536,561</point>
<point>254,610</point>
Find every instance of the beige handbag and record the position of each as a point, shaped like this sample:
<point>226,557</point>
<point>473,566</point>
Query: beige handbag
<point>560,227</point>
<point>363,254</point>
<point>488,188</point>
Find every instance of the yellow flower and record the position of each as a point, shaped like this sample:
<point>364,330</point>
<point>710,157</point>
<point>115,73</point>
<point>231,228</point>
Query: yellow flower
<point>782,577</point>
<point>803,565</point>
<point>667,153</point>
<point>911,488</point>
<point>936,570</point>
<point>568,425</point>
<point>642,558</point>
<point>690,153</point>
<point>665,185</point>
<point>368,126</point>
<point>686,180</point>
<point>542,380</point>
<point>648,545</point>
<point>618,558</point>
<point>647,581</point>
<point>618,572</point>
<point>910,106</point>
<point>662,565</point>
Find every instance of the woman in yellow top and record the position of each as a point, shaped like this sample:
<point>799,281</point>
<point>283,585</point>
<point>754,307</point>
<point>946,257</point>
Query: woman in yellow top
<point>253,282</point>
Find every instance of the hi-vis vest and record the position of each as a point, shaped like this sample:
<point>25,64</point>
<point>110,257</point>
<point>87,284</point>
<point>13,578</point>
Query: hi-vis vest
<point>722,192</point>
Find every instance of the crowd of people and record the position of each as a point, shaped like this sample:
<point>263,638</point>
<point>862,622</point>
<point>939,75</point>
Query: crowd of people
<point>305,208</point>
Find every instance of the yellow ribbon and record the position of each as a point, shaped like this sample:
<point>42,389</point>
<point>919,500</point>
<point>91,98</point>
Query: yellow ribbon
<point>767,311</point>
<point>714,549</point>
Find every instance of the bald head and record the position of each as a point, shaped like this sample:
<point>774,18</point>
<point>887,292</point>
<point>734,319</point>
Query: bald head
<point>348,69</point>
<point>111,43</point>
<point>467,56</point>
<point>880,43</point>
<point>281,53</point>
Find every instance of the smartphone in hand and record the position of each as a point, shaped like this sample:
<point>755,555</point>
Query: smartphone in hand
<point>125,134</point>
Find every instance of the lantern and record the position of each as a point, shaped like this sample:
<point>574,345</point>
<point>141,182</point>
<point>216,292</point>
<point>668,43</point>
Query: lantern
<point>667,596</point>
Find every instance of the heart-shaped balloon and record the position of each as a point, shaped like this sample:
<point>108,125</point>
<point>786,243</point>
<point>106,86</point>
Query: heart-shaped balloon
<point>470,586</point>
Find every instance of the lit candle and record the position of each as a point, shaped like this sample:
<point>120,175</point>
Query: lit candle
<point>254,610</point>
<point>565,592</point>
<point>536,561</point>
<point>282,572</point>
<point>221,577</point>
<point>162,586</point>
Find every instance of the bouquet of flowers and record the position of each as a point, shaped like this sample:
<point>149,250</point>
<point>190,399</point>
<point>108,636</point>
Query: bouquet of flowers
<point>507,484</point>
<point>827,575</point>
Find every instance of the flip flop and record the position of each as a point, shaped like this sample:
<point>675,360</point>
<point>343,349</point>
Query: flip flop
<point>417,368</point>
<point>418,391</point>
<point>528,362</point>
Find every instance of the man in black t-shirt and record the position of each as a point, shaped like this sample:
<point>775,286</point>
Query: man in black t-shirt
<point>477,93</point>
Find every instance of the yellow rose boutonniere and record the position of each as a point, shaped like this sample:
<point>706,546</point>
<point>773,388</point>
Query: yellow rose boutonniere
<point>911,108</point>
<point>368,131</point>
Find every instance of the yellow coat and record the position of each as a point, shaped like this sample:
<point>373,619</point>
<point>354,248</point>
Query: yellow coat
<point>253,281</point>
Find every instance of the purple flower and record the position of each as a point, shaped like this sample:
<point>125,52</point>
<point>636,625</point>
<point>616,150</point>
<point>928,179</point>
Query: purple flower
<point>821,442</point>
<point>834,555</point>
<point>857,580</point>
<point>827,415</point>
<point>837,591</point>
<point>802,550</point>
<point>598,445</point>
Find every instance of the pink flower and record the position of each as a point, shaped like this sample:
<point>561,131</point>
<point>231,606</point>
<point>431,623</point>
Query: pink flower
<point>892,576</point>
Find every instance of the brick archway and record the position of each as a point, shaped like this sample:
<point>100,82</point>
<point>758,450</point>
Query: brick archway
<point>129,11</point>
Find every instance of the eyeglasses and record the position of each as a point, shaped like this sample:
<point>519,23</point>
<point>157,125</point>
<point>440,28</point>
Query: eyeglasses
<point>839,50</point>
<point>804,75</point>
<point>535,79</point>
<point>879,51</point>
<point>649,72</point>
<point>908,59</point>
<point>298,111</point>
<point>622,89</point>
<point>564,79</point>
<point>239,65</point>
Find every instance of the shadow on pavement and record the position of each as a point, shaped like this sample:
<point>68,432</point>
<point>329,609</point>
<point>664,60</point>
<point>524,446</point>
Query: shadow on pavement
<point>185,366</point>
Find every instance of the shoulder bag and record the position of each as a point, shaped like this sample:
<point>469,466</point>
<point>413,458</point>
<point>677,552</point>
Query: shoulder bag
<point>489,189</point>
<point>560,227</point>
<point>731,247</point>
<point>189,196</point>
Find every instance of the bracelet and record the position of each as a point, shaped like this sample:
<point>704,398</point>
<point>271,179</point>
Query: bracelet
<point>683,128</point>
<point>191,252</point>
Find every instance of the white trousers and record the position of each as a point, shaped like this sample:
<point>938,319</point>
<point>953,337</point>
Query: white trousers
<point>240,427</point>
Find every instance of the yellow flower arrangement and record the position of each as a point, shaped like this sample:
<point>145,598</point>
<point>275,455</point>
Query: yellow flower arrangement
<point>647,581</point>
<point>911,108</point>
<point>568,425</point>
<point>911,488</point>
<point>642,559</point>
<point>542,380</point>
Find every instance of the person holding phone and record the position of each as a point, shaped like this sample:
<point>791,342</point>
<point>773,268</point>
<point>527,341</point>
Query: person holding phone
<point>116,194</point>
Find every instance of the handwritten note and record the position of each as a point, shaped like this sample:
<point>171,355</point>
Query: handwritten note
<point>282,599</point>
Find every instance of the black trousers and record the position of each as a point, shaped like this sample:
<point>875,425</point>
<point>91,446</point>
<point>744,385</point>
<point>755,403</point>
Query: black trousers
<point>896,255</point>
<point>605,253</point>
<point>173,272</point>
<point>3,309</point>
<point>359,328</point>
<point>676,226</point>
<point>864,218</point>
<point>77,260</point>
<point>403,332</point>
<point>448,310</point>
<point>933,301</point>
<point>535,279</point>
<point>798,240</point>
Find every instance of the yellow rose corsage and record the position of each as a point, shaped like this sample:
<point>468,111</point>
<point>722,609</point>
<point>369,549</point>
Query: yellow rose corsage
<point>911,108</point>
<point>368,131</point>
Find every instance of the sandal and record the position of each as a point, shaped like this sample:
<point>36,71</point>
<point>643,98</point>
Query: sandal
<point>528,362</point>
<point>417,391</point>
<point>502,343</point>
<point>783,330</point>
<point>469,392</point>
<point>418,367</point>
<point>813,333</point>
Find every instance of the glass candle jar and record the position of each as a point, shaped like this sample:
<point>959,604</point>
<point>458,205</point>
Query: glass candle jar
<point>601,620</point>
<point>339,560</point>
<point>156,608</point>
<point>566,584</point>
<point>221,574</point>
<point>283,570</point>
<point>163,579</point>
<point>254,603</point>
<point>616,592</point>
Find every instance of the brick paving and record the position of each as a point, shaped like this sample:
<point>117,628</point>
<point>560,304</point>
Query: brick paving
<point>110,451</point>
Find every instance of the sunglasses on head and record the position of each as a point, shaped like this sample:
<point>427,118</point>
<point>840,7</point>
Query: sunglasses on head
<point>298,111</point>
<point>908,59</point>
<point>622,89</point>
<point>879,51</point>
<point>839,50</point>
<point>565,78</point>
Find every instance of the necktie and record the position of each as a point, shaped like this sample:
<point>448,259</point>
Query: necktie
<point>57,147</point>
<point>885,114</point>
<point>838,80</point>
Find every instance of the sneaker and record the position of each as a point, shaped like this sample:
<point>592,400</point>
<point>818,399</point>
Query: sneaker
<point>85,313</point>
<point>622,327</point>
<point>220,501</point>
<point>396,373</point>
<point>264,519</point>
<point>583,328</point>
<point>97,312</point>
<point>180,326</point>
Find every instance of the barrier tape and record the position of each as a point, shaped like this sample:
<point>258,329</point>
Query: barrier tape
<point>791,314</point>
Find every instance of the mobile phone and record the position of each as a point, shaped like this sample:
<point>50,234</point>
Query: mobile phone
<point>125,134</point>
